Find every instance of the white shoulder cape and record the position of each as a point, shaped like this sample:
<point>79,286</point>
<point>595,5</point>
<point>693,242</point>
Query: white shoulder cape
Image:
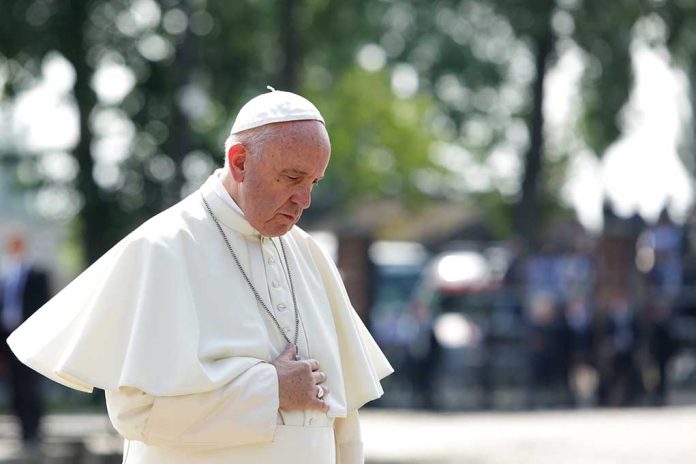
<point>165,311</point>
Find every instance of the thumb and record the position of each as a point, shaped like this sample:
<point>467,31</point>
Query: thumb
<point>289,353</point>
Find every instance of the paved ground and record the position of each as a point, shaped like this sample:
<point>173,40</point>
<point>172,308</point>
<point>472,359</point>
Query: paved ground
<point>635,436</point>
<point>69,439</point>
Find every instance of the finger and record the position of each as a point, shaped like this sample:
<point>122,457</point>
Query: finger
<point>319,377</point>
<point>321,392</point>
<point>321,405</point>
<point>313,364</point>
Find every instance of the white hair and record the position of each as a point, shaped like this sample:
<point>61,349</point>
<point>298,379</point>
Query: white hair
<point>252,139</point>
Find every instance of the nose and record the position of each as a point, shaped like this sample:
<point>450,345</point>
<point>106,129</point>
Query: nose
<point>302,197</point>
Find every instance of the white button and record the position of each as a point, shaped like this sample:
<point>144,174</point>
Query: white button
<point>286,330</point>
<point>281,307</point>
<point>275,284</point>
<point>271,260</point>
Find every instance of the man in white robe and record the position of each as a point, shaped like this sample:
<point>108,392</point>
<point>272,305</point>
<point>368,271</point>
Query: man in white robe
<point>219,330</point>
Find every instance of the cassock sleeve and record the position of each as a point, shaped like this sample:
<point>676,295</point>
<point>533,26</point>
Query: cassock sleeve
<point>241,412</point>
<point>349,447</point>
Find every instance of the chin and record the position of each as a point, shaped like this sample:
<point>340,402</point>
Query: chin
<point>277,231</point>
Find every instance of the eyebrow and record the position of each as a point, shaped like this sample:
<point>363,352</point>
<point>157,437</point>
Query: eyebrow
<point>298,172</point>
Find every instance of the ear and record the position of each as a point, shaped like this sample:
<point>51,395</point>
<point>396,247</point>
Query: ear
<point>237,157</point>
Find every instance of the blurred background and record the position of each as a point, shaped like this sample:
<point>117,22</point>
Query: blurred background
<point>510,196</point>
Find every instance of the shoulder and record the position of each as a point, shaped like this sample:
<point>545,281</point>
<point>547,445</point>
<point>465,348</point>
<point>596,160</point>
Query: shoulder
<point>308,244</point>
<point>318,255</point>
<point>174,226</point>
<point>169,238</point>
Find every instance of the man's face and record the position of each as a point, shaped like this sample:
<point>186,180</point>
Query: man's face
<point>16,246</point>
<point>277,182</point>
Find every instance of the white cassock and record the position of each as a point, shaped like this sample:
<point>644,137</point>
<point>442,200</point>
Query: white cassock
<point>166,325</point>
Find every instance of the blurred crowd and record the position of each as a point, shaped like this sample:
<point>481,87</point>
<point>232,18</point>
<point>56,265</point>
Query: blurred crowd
<point>604,342</point>
<point>582,321</point>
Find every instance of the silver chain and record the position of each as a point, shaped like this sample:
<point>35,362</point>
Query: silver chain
<point>251,285</point>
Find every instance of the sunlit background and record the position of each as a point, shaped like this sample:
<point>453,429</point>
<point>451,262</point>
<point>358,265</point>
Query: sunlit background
<point>510,196</point>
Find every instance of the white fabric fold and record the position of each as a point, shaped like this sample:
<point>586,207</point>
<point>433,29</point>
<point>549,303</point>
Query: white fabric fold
<point>165,311</point>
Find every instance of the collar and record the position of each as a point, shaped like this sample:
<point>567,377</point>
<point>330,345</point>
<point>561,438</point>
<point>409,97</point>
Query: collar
<point>223,194</point>
<point>224,207</point>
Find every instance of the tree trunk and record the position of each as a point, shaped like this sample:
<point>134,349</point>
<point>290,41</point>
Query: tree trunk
<point>527,210</point>
<point>94,215</point>
<point>691,138</point>
<point>180,141</point>
<point>288,45</point>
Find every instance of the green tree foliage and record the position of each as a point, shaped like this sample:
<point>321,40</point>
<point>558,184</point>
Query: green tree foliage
<point>486,62</point>
<point>193,63</point>
<point>604,31</point>
<point>479,94</point>
<point>379,144</point>
<point>458,36</point>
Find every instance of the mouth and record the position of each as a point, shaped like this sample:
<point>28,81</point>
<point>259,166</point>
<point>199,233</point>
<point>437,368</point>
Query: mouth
<point>290,217</point>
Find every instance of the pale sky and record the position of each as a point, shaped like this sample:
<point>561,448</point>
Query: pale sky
<point>641,172</point>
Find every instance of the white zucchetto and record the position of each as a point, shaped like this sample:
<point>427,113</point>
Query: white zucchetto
<point>274,106</point>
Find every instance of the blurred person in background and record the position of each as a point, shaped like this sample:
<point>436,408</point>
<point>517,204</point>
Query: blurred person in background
<point>582,376</point>
<point>515,277</point>
<point>548,351</point>
<point>667,242</point>
<point>661,345</point>
<point>219,330</point>
<point>424,357</point>
<point>23,290</point>
<point>544,273</point>
<point>619,377</point>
